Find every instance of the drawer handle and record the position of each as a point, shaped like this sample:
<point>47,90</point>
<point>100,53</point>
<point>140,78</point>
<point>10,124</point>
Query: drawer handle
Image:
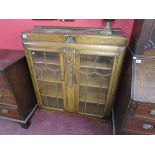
<point>4,111</point>
<point>1,96</point>
<point>152,112</point>
<point>148,126</point>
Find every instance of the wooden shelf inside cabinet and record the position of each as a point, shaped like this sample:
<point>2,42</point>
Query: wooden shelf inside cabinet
<point>52,94</point>
<point>49,80</point>
<point>105,66</point>
<point>103,83</point>
<point>92,96</point>
<point>46,62</point>
<point>92,99</point>
<point>51,89</point>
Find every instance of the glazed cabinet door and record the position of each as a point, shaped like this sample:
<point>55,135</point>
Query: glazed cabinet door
<point>94,83</point>
<point>75,81</point>
<point>49,77</point>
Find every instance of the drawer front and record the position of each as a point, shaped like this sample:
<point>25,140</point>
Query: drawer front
<point>6,111</point>
<point>2,80</point>
<point>139,126</point>
<point>6,97</point>
<point>145,111</point>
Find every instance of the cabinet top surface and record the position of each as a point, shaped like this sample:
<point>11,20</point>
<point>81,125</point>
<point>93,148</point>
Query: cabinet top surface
<point>79,35</point>
<point>9,57</point>
<point>75,31</point>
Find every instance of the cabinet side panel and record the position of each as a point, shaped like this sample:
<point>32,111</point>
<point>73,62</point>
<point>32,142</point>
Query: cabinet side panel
<point>124,93</point>
<point>19,79</point>
<point>117,66</point>
<point>33,76</point>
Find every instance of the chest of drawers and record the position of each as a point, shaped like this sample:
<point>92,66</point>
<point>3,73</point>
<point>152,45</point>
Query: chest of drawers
<point>17,99</point>
<point>135,107</point>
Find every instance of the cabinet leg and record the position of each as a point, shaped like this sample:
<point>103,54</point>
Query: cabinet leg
<point>26,125</point>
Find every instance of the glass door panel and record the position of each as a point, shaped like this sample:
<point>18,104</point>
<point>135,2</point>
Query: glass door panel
<point>50,73</point>
<point>91,108</point>
<point>92,95</point>
<point>98,62</point>
<point>50,89</point>
<point>46,57</point>
<point>55,103</point>
<point>49,78</point>
<point>94,78</point>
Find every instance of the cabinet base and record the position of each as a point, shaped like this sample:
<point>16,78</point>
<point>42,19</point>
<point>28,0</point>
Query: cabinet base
<point>26,125</point>
<point>44,109</point>
<point>25,122</point>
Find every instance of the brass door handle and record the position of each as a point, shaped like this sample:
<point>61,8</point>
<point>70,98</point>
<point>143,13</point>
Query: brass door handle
<point>152,112</point>
<point>148,126</point>
<point>4,111</point>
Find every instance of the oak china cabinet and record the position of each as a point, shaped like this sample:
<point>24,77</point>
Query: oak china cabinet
<point>75,69</point>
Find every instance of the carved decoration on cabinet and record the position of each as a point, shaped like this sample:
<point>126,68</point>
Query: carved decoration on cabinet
<point>69,70</point>
<point>69,39</point>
